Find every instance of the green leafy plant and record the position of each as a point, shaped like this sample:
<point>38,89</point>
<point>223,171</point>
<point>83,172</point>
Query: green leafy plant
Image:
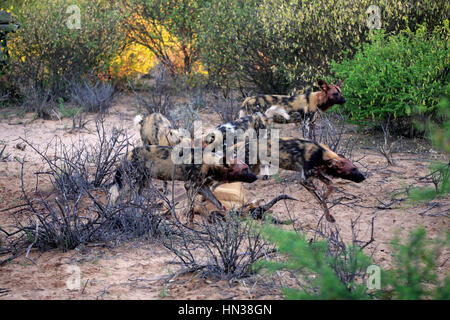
<point>320,271</point>
<point>440,132</point>
<point>414,275</point>
<point>279,44</point>
<point>397,78</point>
<point>324,273</point>
<point>440,177</point>
<point>440,171</point>
<point>67,112</point>
<point>47,53</point>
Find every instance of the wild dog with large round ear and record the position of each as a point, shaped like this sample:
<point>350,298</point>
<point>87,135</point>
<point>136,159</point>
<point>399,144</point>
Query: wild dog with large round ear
<point>256,122</point>
<point>156,162</point>
<point>298,106</point>
<point>312,160</point>
<point>156,129</point>
<point>329,95</point>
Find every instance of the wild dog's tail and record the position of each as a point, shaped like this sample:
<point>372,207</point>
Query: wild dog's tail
<point>114,191</point>
<point>138,120</point>
<point>277,110</point>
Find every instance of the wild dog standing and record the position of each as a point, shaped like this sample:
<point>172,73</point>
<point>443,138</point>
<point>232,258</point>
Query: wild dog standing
<point>313,160</point>
<point>300,107</point>
<point>156,162</point>
<point>256,122</point>
<point>156,129</point>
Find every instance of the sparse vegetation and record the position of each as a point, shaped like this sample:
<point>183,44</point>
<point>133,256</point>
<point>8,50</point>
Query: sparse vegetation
<point>46,56</point>
<point>224,249</point>
<point>320,267</point>
<point>197,60</point>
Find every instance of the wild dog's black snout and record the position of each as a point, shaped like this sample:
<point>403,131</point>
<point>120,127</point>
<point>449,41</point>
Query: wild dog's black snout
<point>249,176</point>
<point>238,173</point>
<point>339,99</point>
<point>357,176</point>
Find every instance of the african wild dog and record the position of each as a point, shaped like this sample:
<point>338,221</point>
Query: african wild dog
<point>311,159</point>
<point>156,162</point>
<point>299,106</point>
<point>241,128</point>
<point>156,129</point>
<point>255,121</point>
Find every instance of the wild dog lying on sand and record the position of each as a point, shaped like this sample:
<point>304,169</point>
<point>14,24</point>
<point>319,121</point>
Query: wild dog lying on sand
<point>312,160</point>
<point>156,162</point>
<point>156,129</point>
<point>299,106</point>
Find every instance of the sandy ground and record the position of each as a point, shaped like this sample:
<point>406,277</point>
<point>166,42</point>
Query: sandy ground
<point>146,270</point>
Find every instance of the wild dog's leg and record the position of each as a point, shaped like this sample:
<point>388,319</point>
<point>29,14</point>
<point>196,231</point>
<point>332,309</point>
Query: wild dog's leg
<point>215,215</point>
<point>143,177</point>
<point>114,191</point>
<point>217,184</point>
<point>190,192</point>
<point>264,171</point>
<point>165,189</point>
<point>213,187</point>
<point>206,192</point>
<point>305,126</point>
<point>327,182</point>
<point>312,125</point>
<point>317,115</point>
<point>311,188</point>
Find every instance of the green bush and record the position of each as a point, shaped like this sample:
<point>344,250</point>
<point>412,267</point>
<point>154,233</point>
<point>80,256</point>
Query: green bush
<point>440,133</point>
<point>277,44</point>
<point>229,45</point>
<point>440,177</point>
<point>440,171</point>
<point>414,275</point>
<point>320,270</point>
<point>323,274</point>
<point>46,54</point>
<point>397,78</point>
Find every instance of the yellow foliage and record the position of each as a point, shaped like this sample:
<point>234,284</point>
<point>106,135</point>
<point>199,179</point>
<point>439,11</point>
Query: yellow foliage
<point>137,58</point>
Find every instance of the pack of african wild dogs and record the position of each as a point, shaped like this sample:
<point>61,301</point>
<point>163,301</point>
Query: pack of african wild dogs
<point>233,151</point>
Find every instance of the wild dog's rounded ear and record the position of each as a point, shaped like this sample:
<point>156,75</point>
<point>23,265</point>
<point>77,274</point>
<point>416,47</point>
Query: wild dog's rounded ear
<point>339,84</point>
<point>323,85</point>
